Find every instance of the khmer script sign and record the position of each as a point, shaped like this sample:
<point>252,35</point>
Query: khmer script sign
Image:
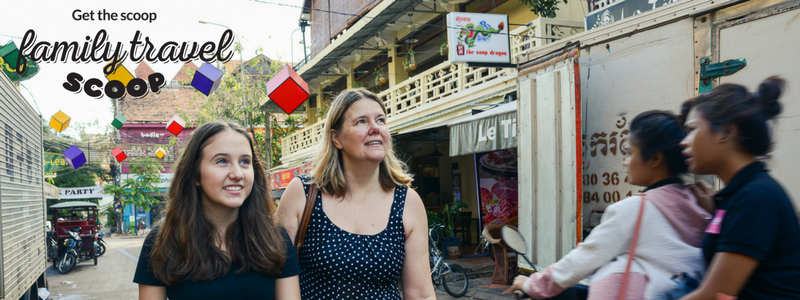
<point>622,9</point>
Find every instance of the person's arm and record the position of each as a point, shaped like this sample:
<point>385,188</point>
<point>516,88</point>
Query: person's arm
<point>727,275</point>
<point>608,240</point>
<point>287,288</point>
<point>291,208</point>
<point>416,273</point>
<point>152,292</point>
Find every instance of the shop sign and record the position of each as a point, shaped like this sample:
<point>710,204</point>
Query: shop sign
<point>280,180</point>
<point>81,192</point>
<point>494,131</point>
<point>54,162</point>
<point>621,10</point>
<point>497,186</point>
<point>474,37</point>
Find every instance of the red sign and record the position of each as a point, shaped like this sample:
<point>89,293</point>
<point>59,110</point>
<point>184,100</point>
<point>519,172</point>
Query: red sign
<point>280,180</point>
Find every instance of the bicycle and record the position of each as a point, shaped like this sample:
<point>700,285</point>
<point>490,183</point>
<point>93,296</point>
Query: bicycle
<point>453,277</point>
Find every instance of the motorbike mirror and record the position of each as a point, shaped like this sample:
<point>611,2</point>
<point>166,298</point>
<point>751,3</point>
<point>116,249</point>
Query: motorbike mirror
<point>514,239</point>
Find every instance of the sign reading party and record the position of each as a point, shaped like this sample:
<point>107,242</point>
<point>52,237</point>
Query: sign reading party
<point>474,37</point>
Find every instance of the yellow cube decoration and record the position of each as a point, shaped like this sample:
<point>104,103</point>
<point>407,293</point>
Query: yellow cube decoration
<point>160,152</point>
<point>121,74</point>
<point>60,121</point>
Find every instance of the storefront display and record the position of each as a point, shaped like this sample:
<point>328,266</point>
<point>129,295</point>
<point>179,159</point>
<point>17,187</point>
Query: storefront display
<point>497,185</point>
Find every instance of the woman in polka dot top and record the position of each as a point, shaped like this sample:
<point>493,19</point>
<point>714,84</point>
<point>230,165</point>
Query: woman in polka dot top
<point>367,230</point>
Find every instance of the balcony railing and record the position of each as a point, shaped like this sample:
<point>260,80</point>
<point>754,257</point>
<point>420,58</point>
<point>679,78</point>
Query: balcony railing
<point>446,79</point>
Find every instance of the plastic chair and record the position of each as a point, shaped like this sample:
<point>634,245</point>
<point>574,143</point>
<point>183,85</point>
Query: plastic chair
<point>505,263</point>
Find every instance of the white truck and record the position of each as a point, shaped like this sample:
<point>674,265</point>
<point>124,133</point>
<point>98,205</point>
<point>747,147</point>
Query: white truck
<point>577,96</point>
<point>23,257</point>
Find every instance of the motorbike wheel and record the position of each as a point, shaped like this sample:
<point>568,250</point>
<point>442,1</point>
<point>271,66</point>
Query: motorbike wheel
<point>101,249</point>
<point>67,263</point>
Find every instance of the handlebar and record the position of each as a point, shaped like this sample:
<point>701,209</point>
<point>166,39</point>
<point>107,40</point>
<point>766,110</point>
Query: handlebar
<point>519,295</point>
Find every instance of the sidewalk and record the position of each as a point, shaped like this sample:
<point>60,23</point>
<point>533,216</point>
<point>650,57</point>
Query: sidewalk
<point>479,269</point>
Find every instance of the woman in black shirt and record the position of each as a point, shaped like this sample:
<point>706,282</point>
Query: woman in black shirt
<point>219,238</point>
<point>751,245</point>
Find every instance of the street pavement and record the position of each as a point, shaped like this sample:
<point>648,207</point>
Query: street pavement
<point>480,288</point>
<point>111,278</point>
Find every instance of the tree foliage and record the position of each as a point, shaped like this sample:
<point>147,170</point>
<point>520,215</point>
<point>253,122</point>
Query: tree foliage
<point>135,190</point>
<point>226,104</point>
<point>543,8</point>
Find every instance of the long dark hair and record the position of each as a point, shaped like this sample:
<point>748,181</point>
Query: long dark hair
<point>184,247</point>
<point>657,131</point>
<point>731,104</point>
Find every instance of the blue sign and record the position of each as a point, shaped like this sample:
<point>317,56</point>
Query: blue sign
<point>620,10</point>
<point>141,215</point>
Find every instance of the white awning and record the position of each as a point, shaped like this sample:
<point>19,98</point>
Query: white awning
<point>494,129</point>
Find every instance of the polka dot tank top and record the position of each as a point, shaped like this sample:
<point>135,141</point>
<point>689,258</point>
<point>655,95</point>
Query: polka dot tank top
<point>336,264</point>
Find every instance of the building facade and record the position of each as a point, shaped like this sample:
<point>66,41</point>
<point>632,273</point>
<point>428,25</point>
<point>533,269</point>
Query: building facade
<point>371,44</point>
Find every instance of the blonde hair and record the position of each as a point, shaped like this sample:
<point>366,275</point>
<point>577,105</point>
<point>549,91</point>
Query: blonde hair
<point>328,169</point>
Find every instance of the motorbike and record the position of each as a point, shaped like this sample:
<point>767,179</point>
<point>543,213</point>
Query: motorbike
<point>69,255</point>
<point>52,246</point>
<point>99,244</point>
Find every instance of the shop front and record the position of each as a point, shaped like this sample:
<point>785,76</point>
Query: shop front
<point>490,140</point>
<point>465,158</point>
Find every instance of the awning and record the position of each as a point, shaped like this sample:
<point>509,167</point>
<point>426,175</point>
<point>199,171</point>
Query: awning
<point>494,129</point>
<point>432,125</point>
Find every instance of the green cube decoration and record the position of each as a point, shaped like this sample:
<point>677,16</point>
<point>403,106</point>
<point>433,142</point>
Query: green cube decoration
<point>118,121</point>
<point>10,53</point>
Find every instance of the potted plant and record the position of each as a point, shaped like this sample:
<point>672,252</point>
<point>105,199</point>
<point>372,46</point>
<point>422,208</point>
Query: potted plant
<point>443,49</point>
<point>406,67</point>
<point>450,215</point>
<point>412,61</point>
<point>379,78</point>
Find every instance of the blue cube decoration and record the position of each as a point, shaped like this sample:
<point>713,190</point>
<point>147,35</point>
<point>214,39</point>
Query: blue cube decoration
<point>74,157</point>
<point>207,78</point>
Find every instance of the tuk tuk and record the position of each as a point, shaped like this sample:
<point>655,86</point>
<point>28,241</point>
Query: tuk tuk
<point>80,217</point>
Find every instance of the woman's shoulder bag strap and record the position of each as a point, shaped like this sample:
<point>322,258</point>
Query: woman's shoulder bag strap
<point>632,251</point>
<point>301,230</point>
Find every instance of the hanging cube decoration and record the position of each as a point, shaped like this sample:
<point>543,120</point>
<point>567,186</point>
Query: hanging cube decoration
<point>10,54</point>
<point>118,121</point>
<point>287,89</point>
<point>176,125</point>
<point>207,78</point>
<point>59,121</point>
<point>160,152</point>
<point>74,157</point>
<point>119,154</point>
<point>121,74</point>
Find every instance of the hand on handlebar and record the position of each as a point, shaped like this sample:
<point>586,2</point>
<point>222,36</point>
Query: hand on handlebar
<point>519,282</point>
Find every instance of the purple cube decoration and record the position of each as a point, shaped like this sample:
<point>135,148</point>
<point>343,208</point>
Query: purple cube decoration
<point>74,157</point>
<point>207,78</point>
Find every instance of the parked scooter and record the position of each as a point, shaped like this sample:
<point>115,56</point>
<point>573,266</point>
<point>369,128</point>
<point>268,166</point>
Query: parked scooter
<point>69,254</point>
<point>52,246</point>
<point>100,244</point>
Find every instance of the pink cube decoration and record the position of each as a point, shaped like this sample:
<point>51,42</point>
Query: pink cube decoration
<point>287,89</point>
<point>119,154</point>
<point>176,125</point>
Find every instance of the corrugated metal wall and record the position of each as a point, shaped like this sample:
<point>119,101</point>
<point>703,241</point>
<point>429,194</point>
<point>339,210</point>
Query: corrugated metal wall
<point>22,203</point>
